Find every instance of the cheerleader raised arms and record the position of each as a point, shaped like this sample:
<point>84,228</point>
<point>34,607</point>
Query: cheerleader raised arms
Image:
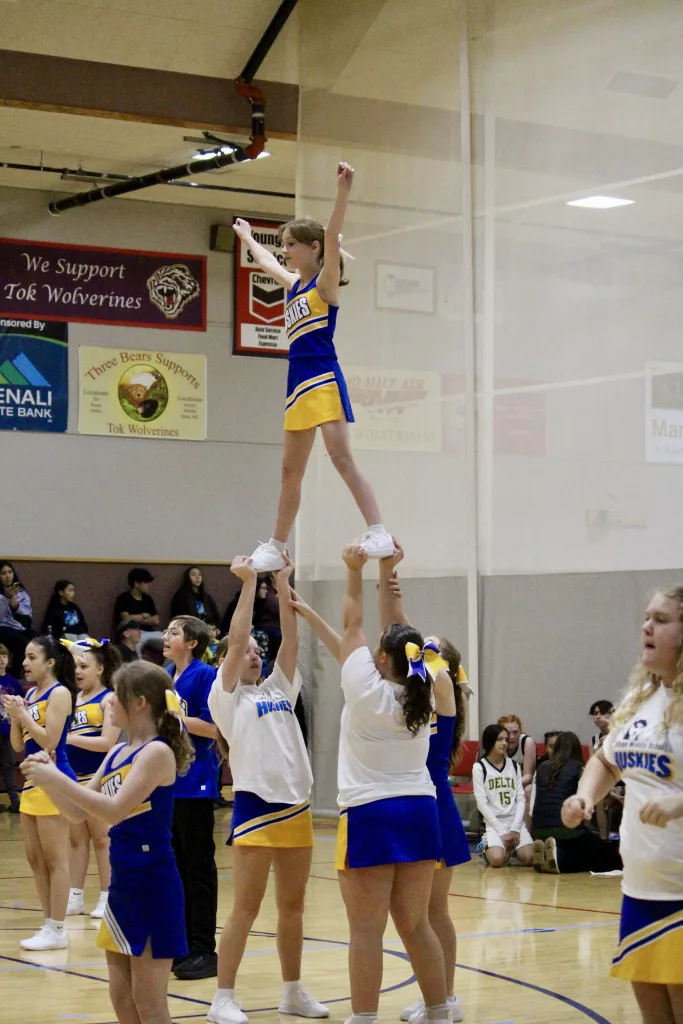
<point>316,390</point>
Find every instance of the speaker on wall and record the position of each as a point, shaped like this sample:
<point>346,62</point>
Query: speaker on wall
<point>222,238</point>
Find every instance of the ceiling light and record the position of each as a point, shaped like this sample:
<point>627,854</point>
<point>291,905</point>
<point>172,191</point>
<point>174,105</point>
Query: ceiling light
<point>264,153</point>
<point>600,202</point>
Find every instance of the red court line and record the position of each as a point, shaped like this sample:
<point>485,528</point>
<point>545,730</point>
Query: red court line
<point>519,903</point>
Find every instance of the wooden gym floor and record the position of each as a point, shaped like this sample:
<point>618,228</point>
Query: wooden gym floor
<point>532,949</point>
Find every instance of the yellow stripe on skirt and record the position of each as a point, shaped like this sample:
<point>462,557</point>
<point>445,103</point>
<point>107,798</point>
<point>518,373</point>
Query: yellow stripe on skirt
<point>653,954</point>
<point>35,801</point>
<point>288,828</point>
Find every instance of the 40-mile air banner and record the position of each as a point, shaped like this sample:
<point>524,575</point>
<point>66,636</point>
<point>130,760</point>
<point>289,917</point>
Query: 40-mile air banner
<point>126,393</point>
<point>34,375</point>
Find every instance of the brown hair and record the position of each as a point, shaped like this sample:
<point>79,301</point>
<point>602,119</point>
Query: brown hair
<point>221,648</point>
<point>194,629</point>
<point>417,692</point>
<point>307,231</point>
<point>4,650</point>
<point>143,679</point>
<point>106,656</point>
<point>642,684</point>
<point>453,658</point>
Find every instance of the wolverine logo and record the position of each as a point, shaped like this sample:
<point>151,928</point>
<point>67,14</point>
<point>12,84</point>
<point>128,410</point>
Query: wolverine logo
<point>171,288</point>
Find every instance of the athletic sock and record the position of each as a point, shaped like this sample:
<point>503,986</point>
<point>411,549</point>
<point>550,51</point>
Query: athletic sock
<point>362,1018</point>
<point>104,894</point>
<point>438,1012</point>
<point>376,526</point>
<point>278,544</point>
<point>290,988</point>
<point>57,926</point>
<point>225,993</point>
<point>75,892</point>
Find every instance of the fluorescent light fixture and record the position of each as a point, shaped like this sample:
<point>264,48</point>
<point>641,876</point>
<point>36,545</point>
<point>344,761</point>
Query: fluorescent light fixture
<point>204,154</point>
<point>600,202</point>
<point>264,153</point>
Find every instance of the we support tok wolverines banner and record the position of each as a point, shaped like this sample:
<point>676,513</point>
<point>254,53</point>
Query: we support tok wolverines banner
<point>34,375</point>
<point>124,393</point>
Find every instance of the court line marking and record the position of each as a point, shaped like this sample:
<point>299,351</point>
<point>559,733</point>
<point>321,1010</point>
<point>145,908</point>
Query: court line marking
<point>518,903</point>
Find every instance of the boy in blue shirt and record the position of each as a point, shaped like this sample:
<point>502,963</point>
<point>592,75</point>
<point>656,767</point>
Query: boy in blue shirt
<point>185,642</point>
<point>8,685</point>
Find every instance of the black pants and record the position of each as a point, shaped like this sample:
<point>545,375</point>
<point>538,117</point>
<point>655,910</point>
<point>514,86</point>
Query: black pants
<point>7,759</point>
<point>588,852</point>
<point>195,853</point>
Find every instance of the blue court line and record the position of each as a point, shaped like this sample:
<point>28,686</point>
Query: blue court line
<point>591,1014</point>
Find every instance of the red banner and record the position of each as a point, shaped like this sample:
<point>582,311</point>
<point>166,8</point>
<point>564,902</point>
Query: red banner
<point>94,285</point>
<point>259,314</point>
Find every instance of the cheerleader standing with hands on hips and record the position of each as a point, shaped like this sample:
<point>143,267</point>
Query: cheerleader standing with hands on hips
<point>91,736</point>
<point>316,390</point>
<point>132,793</point>
<point>41,723</point>
<point>272,779</point>
<point>645,747</point>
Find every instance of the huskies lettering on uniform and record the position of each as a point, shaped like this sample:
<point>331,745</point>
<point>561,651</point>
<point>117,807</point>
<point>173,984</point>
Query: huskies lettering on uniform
<point>264,707</point>
<point>296,311</point>
<point>657,764</point>
<point>81,717</point>
<point>34,712</point>
<point>112,785</point>
<point>183,707</point>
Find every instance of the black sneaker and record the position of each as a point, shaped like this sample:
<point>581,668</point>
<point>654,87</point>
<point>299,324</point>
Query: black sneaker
<point>177,961</point>
<point>199,965</point>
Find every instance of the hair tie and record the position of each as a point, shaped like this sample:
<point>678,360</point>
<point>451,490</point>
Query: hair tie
<point>461,676</point>
<point>426,660</point>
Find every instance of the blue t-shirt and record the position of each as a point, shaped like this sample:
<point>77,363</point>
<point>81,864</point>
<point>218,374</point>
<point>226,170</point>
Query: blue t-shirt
<point>8,684</point>
<point>193,687</point>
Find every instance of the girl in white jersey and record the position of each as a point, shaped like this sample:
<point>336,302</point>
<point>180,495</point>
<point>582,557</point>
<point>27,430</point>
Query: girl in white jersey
<point>388,839</point>
<point>498,791</point>
<point>645,747</point>
<point>272,779</point>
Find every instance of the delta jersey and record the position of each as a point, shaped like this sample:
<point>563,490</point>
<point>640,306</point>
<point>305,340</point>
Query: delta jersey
<point>650,759</point>
<point>499,794</point>
<point>193,686</point>
<point>37,709</point>
<point>88,719</point>
<point>310,323</point>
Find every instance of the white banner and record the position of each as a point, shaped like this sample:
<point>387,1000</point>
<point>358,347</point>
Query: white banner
<point>395,410</point>
<point>664,412</point>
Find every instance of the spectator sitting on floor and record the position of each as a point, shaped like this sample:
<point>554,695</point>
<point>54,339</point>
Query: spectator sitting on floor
<point>129,635</point>
<point>191,598</point>
<point>549,739</point>
<point>498,791</point>
<point>558,849</point>
<point>63,617</point>
<point>8,685</point>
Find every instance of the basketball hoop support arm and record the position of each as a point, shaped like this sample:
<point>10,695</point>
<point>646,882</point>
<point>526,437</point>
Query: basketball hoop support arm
<point>239,154</point>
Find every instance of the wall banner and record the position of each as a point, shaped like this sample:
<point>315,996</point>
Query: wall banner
<point>34,375</point>
<point>664,412</point>
<point>92,285</point>
<point>259,313</point>
<point>395,410</point>
<point>142,394</point>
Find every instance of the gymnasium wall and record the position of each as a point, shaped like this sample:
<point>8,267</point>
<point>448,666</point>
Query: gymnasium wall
<point>82,496</point>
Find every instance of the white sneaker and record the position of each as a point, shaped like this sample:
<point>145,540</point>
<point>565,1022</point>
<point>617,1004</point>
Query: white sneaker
<point>46,938</point>
<point>416,1012</point>
<point>378,543</point>
<point>267,558</point>
<point>302,1004</point>
<point>226,1011</point>
<point>99,910</point>
<point>75,905</point>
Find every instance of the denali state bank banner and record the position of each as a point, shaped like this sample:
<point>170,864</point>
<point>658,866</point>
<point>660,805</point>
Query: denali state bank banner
<point>34,381</point>
<point>92,285</point>
<point>259,314</point>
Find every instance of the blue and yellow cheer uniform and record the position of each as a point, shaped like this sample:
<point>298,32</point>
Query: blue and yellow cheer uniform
<point>146,900</point>
<point>35,800</point>
<point>316,389</point>
<point>88,719</point>
<point>454,845</point>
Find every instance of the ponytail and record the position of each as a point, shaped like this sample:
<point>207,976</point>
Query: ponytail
<point>417,693</point>
<point>453,658</point>
<point>65,668</point>
<point>104,653</point>
<point>143,679</point>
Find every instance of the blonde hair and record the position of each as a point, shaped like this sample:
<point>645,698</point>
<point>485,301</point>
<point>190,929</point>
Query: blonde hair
<point>642,684</point>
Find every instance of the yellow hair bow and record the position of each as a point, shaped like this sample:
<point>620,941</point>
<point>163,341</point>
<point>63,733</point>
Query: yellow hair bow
<point>426,660</point>
<point>86,644</point>
<point>461,676</point>
<point>173,703</point>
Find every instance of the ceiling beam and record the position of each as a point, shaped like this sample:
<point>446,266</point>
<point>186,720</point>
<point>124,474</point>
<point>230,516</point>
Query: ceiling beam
<point>36,81</point>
